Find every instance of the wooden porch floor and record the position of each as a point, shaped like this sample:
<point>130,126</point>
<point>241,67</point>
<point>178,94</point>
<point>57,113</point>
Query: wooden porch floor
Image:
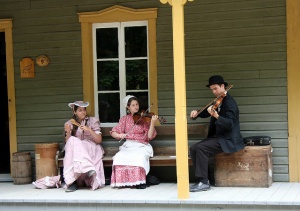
<point>279,196</point>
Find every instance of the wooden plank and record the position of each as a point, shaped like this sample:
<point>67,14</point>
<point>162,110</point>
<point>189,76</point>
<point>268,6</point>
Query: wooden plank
<point>280,169</point>
<point>72,82</point>
<point>255,126</point>
<point>272,133</point>
<point>281,177</point>
<point>276,117</point>
<point>154,161</point>
<point>46,115</point>
<point>222,6</point>
<point>165,130</point>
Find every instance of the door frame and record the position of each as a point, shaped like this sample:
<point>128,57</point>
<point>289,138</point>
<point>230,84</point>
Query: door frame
<point>6,27</point>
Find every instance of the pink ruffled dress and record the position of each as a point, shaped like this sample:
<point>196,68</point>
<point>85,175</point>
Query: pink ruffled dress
<point>82,154</point>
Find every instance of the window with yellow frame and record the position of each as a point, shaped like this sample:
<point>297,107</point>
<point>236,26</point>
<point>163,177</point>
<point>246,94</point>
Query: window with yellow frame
<point>119,58</point>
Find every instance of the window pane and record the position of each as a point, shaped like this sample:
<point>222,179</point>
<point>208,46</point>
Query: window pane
<point>137,74</point>
<point>136,41</point>
<point>107,43</point>
<point>108,75</point>
<point>109,107</point>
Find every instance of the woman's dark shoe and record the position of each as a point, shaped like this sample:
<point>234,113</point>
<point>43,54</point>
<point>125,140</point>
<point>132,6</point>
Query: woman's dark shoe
<point>91,173</point>
<point>141,186</point>
<point>73,187</point>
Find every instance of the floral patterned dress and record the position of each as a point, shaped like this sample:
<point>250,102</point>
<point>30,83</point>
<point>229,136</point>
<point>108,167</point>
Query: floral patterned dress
<point>131,164</point>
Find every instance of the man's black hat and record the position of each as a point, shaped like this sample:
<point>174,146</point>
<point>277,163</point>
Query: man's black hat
<point>216,79</point>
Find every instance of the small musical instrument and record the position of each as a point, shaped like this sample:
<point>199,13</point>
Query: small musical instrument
<point>73,122</point>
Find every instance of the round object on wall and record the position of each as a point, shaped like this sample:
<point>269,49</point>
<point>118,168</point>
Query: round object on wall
<point>42,60</point>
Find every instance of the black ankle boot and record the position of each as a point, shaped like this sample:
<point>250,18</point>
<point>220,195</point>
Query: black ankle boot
<point>141,186</point>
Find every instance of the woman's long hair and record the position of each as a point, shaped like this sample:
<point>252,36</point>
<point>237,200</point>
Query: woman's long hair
<point>75,127</point>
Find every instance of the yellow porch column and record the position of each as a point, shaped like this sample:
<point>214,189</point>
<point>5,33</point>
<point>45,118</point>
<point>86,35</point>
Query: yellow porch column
<point>293,78</point>
<point>180,98</point>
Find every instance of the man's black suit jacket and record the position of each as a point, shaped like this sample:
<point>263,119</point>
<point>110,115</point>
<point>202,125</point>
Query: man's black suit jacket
<point>227,127</point>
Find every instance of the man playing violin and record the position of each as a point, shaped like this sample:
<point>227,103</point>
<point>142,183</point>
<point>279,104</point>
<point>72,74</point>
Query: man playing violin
<point>223,133</point>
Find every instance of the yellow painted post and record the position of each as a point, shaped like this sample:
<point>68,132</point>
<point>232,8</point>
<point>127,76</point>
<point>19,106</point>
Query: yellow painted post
<point>293,78</point>
<point>180,98</point>
<point>11,90</point>
<point>6,26</point>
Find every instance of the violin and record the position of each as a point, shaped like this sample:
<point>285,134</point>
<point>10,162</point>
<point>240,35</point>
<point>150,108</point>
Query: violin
<point>146,117</point>
<point>216,102</point>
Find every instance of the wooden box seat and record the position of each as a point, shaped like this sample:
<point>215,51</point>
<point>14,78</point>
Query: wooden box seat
<point>250,167</point>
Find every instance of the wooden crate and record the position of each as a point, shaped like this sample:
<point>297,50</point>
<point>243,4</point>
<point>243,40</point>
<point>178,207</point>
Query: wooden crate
<point>250,167</point>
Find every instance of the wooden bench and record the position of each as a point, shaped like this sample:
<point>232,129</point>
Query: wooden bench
<point>226,169</point>
<point>163,144</point>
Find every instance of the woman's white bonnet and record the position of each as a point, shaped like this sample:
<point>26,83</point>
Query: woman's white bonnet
<point>125,100</point>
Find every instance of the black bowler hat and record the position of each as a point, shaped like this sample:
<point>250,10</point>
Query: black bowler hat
<point>216,79</point>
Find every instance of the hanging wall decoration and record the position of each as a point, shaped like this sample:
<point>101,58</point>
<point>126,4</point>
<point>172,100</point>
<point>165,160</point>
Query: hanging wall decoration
<point>27,68</point>
<point>42,60</point>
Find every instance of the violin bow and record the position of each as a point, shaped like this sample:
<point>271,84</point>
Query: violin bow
<point>199,111</point>
<point>137,121</point>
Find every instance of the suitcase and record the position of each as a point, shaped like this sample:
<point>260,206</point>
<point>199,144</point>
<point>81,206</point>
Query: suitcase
<point>257,140</point>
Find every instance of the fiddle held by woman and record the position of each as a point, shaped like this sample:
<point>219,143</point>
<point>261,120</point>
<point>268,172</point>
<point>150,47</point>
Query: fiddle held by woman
<point>146,116</point>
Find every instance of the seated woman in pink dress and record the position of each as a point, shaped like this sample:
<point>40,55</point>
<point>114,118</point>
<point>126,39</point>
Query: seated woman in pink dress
<point>131,164</point>
<point>83,164</point>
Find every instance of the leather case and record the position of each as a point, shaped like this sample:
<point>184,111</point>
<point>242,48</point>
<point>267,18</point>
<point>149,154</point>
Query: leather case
<point>257,140</point>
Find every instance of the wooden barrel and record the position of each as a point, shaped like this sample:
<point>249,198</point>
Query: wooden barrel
<point>45,160</point>
<point>21,170</point>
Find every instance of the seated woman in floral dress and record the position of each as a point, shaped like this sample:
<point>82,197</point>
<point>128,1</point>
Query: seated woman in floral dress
<point>131,164</point>
<point>83,164</point>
